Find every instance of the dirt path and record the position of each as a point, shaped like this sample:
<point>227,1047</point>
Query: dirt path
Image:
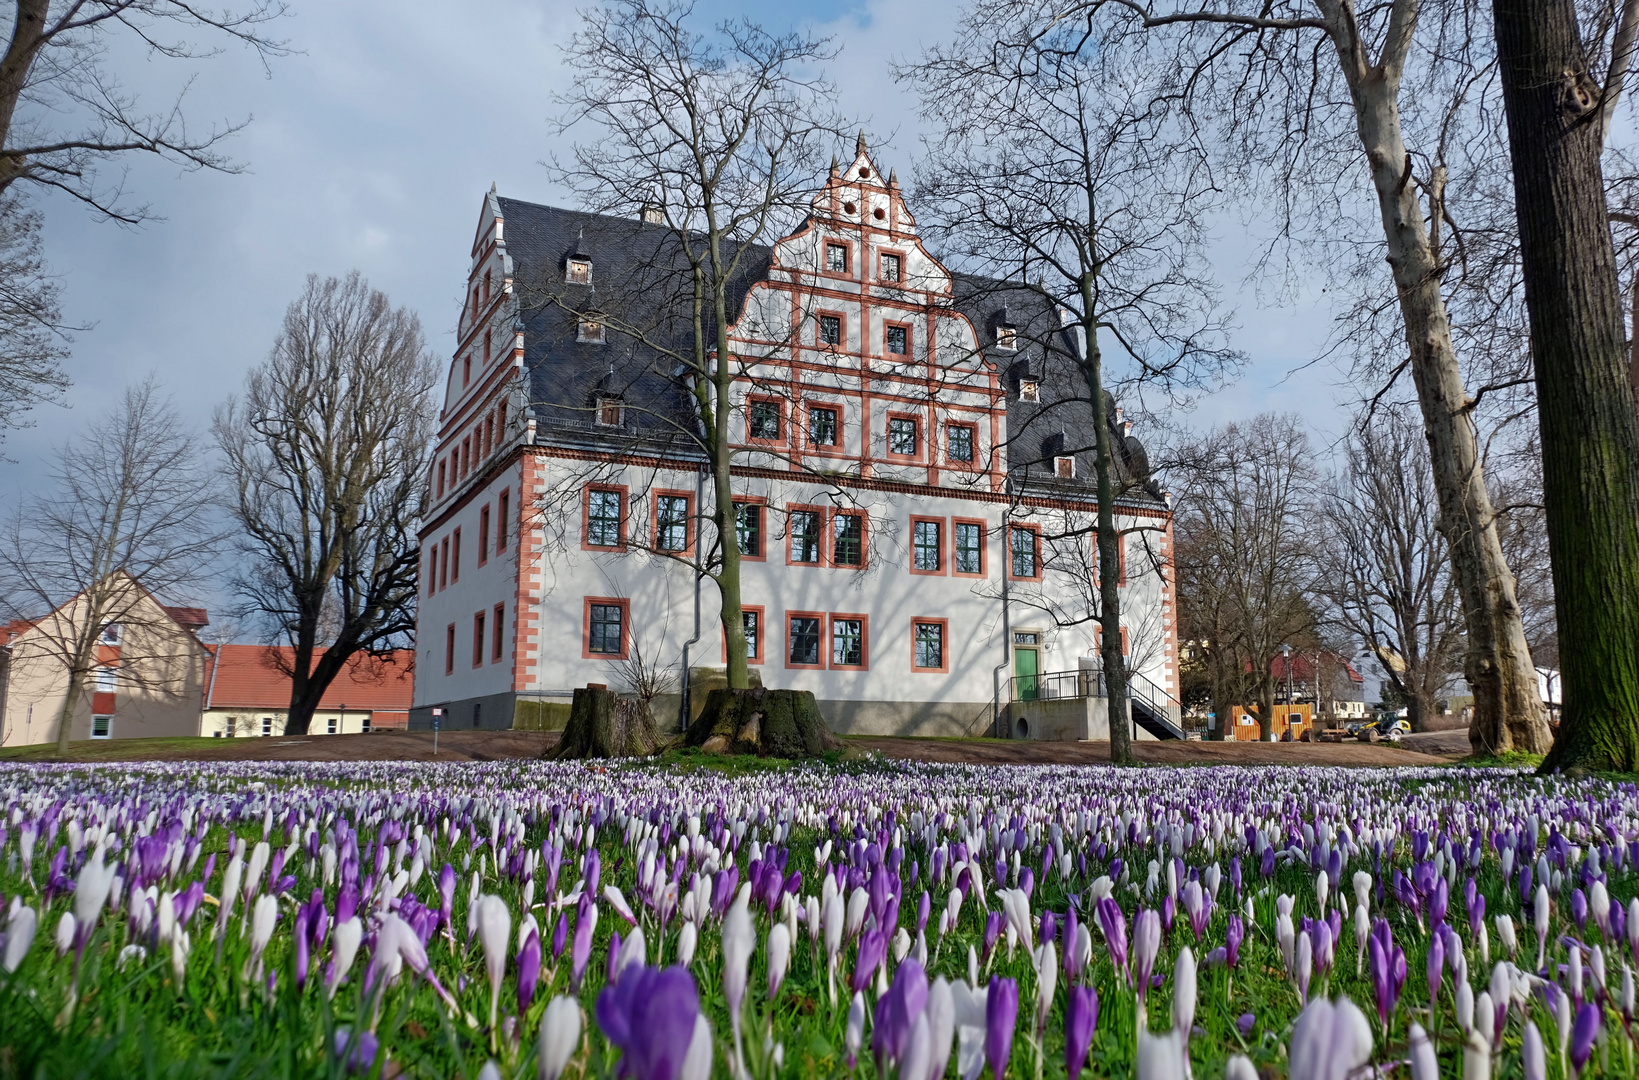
<point>1007,752</point>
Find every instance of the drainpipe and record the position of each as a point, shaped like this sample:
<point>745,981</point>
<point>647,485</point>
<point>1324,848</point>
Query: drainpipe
<point>699,496</point>
<point>210,689</point>
<point>1007,618</point>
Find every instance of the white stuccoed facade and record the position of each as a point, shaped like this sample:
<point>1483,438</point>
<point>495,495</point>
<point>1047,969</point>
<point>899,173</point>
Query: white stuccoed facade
<point>533,588</point>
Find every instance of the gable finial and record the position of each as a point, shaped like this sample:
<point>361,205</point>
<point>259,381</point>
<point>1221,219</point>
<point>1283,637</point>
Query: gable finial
<point>834,166</point>
<point>859,148</point>
<point>893,177</point>
<point>492,187</point>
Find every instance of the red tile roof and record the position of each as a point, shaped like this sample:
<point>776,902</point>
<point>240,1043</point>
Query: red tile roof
<point>254,677</point>
<point>191,618</point>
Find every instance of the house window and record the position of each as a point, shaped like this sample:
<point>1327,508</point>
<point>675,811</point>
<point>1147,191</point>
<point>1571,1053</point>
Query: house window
<point>848,540</point>
<point>364,725</point>
<point>803,640</point>
<point>959,443</point>
<point>969,547</point>
<point>836,258</point>
<point>330,725</point>
<point>902,436</point>
<point>440,478</point>
<point>455,556</point>
<point>805,536</point>
<point>1029,390</point>
<point>466,369</point>
<point>449,649</point>
<point>267,726</point>
<point>890,268</point>
<point>671,529</point>
<point>444,565</point>
<point>501,525</point>
<point>748,528</point>
<point>603,517</point>
<point>109,635</point>
<point>1007,338</point>
<point>830,330</point>
<point>1064,468</point>
<point>478,640</point>
<point>1026,559</point>
<point>847,642</point>
<point>495,635</point>
<point>653,214</point>
<point>107,678</point>
<point>609,412</point>
<point>926,555</point>
<point>466,455</point>
<point>752,621</point>
<point>590,330</point>
<point>606,628</point>
<point>483,536</point>
<point>102,727</point>
<point>928,645</point>
<point>822,426</point>
<point>578,271</point>
<point>764,419</point>
<point>897,340</point>
<point>486,286</point>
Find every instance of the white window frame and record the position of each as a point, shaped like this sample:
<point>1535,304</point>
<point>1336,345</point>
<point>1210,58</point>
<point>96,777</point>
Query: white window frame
<point>107,727</point>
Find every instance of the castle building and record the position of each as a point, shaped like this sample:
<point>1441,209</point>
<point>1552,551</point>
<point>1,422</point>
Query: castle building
<point>912,478</point>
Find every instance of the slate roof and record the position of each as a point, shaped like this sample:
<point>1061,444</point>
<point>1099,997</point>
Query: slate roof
<point>639,277</point>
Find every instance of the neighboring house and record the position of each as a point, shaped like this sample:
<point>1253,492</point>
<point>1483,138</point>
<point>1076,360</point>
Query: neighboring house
<point>909,452</point>
<point>248,693</point>
<point>1341,689</point>
<point>148,682</point>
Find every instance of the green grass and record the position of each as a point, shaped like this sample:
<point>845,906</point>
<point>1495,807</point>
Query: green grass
<point>92,750</point>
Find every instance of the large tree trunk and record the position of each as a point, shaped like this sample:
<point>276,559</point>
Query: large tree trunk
<point>1266,708</point>
<point>1508,714</point>
<point>71,702</point>
<point>602,725</point>
<point>1590,436</point>
<point>768,723</point>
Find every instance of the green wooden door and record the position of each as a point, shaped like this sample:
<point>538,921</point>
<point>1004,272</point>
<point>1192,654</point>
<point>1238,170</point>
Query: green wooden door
<point>1025,669</point>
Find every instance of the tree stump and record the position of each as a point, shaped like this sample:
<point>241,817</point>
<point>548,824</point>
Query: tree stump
<point>604,725</point>
<point>767,723</point>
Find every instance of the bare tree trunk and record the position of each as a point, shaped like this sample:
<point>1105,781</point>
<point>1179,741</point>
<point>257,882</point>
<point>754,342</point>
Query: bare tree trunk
<point>1266,709</point>
<point>71,702</point>
<point>1590,435</point>
<point>728,580</point>
<point>1508,715</point>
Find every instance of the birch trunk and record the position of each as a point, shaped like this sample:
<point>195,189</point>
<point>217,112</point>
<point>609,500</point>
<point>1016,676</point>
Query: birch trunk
<point>1508,714</point>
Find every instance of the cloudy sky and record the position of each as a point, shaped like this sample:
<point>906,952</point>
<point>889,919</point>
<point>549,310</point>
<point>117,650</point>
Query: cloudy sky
<point>371,148</point>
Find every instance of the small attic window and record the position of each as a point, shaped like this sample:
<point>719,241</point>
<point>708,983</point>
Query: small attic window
<point>1064,468</point>
<point>653,214</point>
<point>578,271</point>
<point>1007,337</point>
<point>1029,390</point>
<point>609,412</point>
<point>590,330</point>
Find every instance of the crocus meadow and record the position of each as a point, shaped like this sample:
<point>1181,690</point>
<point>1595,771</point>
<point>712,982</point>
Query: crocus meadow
<point>662,922</point>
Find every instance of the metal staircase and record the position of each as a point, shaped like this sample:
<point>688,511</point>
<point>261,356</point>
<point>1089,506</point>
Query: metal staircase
<point>1150,708</point>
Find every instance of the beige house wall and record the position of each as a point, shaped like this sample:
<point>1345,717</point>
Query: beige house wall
<point>158,690</point>
<point>248,723</point>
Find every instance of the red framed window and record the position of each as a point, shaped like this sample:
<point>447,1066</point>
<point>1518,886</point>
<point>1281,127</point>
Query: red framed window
<point>750,521</point>
<point>968,548</point>
<point>495,633</point>
<point>756,631</point>
<point>466,455</point>
<point>444,564</point>
<point>466,369</point>
<point>896,339</point>
<point>848,539</point>
<point>607,628</point>
<point>961,445</point>
<point>432,570</point>
<point>850,641</point>
<point>927,545</point>
<point>890,267</point>
<point>604,515</point>
<point>805,536</point>
<point>1024,552</point>
<point>440,478</point>
<point>478,640</point>
<point>805,639</point>
<point>765,420</point>
<point>483,535</point>
<point>929,641</point>
<point>904,436</point>
<point>455,556</point>
<point>836,258</point>
<point>832,330</point>
<point>824,426</point>
<point>505,506</point>
<point>449,649</point>
<point>673,522</point>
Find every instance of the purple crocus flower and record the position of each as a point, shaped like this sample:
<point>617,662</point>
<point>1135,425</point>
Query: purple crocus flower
<point>1001,1015</point>
<point>873,950</point>
<point>1579,909</point>
<point>1112,923</point>
<point>1583,1032</point>
<point>1233,936</point>
<point>1069,950</point>
<point>365,1048</point>
<point>1169,909</point>
<point>897,1012</point>
<point>923,906</point>
<point>1244,1023</point>
<point>581,951</point>
<point>1235,876</point>
<point>1439,900</point>
<point>529,971</point>
<point>993,930</point>
<point>1080,1018</point>
<point>1049,929</point>
<point>650,1014</point>
<point>1146,947</point>
<point>1266,864</point>
<point>446,894</point>
<point>593,870</point>
<point>1436,967</point>
<point>560,934</point>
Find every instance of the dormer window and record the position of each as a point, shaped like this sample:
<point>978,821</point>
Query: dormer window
<point>578,271</point>
<point>653,214</point>
<point>1029,390</point>
<point>890,268</point>
<point>609,413</point>
<point>591,330</point>
<point>1064,468</point>
<point>1007,337</point>
<point>836,258</point>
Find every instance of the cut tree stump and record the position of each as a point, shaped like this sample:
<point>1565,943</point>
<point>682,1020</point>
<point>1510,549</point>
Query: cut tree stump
<point>605,725</point>
<point>767,723</point>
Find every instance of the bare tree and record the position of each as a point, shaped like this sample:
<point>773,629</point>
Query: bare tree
<point>127,519</point>
<point>1062,172</point>
<point>1385,566</point>
<point>1558,113</point>
<point>1271,78</point>
<point>1245,553</point>
<point>33,337</point>
<point>325,457</point>
<point>719,136</point>
<point>64,115</point>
